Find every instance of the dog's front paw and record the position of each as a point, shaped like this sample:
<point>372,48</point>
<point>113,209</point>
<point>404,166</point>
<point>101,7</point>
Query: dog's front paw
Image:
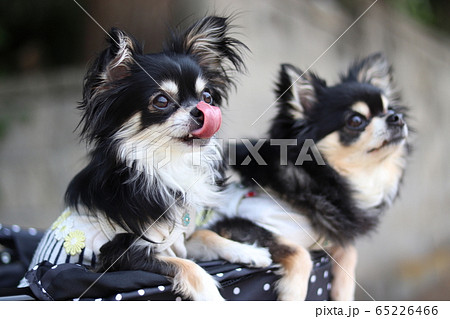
<point>193,282</point>
<point>209,291</point>
<point>252,256</point>
<point>293,284</point>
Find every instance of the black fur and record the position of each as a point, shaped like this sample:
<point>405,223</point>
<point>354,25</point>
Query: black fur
<point>120,254</point>
<point>227,48</point>
<point>103,187</point>
<point>318,191</point>
<point>118,86</point>
<point>245,231</point>
<point>321,194</point>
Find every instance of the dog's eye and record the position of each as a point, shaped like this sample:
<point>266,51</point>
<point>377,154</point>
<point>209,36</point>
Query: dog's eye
<point>356,121</point>
<point>207,97</point>
<point>160,102</point>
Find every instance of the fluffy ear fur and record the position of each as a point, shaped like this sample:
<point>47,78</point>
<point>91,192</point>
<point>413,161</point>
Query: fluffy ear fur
<point>111,65</point>
<point>121,51</point>
<point>209,43</point>
<point>298,89</point>
<point>374,70</point>
<point>113,62</point>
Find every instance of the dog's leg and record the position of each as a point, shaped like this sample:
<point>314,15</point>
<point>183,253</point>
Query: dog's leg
<point>295,261</point>
<point>189,279</point>
<point>343,269</point>
<point>296,266</point>
<point>127,252</point>
<point>206,245</point>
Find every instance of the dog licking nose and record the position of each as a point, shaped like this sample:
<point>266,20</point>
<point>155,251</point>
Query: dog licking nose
<point>209,116</point>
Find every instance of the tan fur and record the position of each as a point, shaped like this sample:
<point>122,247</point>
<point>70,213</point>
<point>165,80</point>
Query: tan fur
<point>296,270</point>
<point>343,269</point>
<point>374,176</point>
<point>189,279</point>
<point>362,108</point>
<point>187,271</point>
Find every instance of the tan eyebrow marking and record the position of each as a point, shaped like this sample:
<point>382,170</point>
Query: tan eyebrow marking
<point>361,108</point>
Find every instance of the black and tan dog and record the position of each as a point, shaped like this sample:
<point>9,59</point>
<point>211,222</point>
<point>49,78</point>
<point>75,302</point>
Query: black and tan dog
<point>334,192</point>
<point>133,205</point>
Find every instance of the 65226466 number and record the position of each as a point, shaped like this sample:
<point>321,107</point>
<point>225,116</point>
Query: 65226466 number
<point>405,311</point>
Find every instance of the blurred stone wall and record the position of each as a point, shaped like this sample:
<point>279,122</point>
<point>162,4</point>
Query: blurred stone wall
<point>39,153</point>
<point>409,256</point>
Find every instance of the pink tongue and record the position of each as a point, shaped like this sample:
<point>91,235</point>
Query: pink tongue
<point>212,120</point>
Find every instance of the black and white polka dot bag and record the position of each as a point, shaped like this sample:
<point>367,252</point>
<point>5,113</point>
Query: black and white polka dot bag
<point>70,281</point>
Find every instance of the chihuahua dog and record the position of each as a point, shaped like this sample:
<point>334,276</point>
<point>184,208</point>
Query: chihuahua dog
<point>345,149</point>
<point>132,207</point>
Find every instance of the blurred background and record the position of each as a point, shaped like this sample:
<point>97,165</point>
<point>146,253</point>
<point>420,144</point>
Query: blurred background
<point>45,47</point>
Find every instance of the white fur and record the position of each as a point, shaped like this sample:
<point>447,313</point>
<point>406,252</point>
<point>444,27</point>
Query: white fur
<point>207,292</point>
<point>200,85</point>
<point>124,55</point>
<point>231,251</point>
<point>204,43</point>
<point>157,153</point>
<point>169,165</point>
<point>303,92</point>
<point>169,87</point>
<point>377,73</point>
<point>385,101</point>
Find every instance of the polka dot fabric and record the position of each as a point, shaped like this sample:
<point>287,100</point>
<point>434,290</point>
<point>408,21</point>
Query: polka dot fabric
<point>320,279</point>
<point>17,245</point>
<point>71,281</point>
<point>259,285</point>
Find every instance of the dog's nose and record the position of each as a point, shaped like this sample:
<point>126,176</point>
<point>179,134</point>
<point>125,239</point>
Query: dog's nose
<point>197,115</point>
<point>395,119</point>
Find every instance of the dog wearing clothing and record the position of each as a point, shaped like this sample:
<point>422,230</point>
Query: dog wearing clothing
<point>131,207</point>
<point>330,194</point>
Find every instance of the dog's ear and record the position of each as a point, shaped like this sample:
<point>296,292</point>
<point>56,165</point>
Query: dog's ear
<point>209,42</point>
<point>111,65</point>
<point>120,54</point>
<point>114,62</point>
<point>298,89</point>
<point>374,70</point>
